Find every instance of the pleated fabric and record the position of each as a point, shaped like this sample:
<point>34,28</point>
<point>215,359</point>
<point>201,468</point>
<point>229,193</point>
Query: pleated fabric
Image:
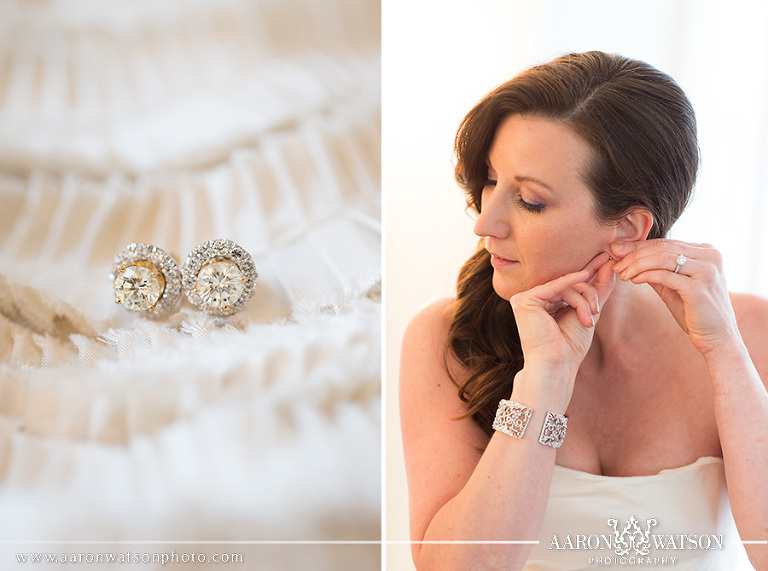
<point>173,123</point>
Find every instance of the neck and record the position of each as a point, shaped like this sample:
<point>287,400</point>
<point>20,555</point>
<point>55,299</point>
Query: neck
<point>628,314</point>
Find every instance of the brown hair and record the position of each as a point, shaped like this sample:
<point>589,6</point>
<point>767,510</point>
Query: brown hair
<point>642,131</point>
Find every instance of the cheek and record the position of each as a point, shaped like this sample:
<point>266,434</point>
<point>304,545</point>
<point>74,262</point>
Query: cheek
<point>549,251</point>
<point>563,251</point>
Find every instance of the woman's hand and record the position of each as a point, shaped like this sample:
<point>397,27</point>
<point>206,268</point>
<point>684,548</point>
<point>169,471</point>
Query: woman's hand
<point>695,294</point>
<point>556,319</point>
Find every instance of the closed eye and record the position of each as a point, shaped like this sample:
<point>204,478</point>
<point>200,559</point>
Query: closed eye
<point>529,206</point>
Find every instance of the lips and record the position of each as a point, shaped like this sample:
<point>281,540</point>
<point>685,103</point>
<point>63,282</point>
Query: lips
<point>499,262</point>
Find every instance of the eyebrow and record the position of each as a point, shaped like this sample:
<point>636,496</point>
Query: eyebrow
<point>521,178</point>
<point>534,180</point>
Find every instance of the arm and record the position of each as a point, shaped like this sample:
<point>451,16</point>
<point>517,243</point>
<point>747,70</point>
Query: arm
<point>741,410</point>
<point>458,492</point>
<point>698,299</point>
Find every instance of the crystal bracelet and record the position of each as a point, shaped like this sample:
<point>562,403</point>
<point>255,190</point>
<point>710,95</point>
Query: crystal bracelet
<point>553,431</point>
<point>512,418</point>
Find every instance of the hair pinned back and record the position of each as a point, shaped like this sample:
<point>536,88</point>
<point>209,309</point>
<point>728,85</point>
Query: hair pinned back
<point>642,132</point>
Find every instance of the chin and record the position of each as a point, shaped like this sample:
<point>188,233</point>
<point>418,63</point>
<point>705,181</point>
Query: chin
<point>503,288</point>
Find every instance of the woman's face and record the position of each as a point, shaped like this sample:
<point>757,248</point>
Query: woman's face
<point>537,214</point>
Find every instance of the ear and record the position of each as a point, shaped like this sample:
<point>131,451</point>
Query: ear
<point>634,225</point>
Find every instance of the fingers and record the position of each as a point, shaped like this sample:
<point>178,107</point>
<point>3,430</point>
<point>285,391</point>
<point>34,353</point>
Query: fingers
<point>651,260</point>
<point>570,290</point>
<point>551,291</point>
<point>589,293</point>
<point>605,282</point>
<point>658,256</point>
<point>597,262</point>
<point>660,278</point>
<point>584,299</point>
<point>584,291</point>
<point>628,251</point>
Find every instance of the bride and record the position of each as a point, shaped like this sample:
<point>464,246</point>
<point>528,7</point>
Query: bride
<point>588,368</point>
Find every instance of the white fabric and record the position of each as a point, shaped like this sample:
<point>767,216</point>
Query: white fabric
<point>173,123</point>
<point>581,504</point>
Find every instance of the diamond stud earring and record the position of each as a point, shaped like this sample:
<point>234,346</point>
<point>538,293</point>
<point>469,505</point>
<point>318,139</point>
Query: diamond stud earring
<point>146,279</point>
<point>218,277</point>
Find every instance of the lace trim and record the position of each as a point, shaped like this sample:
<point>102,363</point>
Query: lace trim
<point>304,203</point>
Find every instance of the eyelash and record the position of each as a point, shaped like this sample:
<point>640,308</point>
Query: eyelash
<point>527,206</point>
<point>530,207</point>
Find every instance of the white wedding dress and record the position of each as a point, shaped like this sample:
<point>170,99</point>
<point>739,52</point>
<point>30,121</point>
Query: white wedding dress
<point>689,501</point>
<point>174,122</point>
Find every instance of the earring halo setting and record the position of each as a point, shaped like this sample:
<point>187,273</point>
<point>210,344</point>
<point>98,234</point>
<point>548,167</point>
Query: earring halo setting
<point>219,277</point>
<point>146,279</point>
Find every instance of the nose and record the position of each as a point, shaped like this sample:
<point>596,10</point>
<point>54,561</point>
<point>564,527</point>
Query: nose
<point>491,222</point>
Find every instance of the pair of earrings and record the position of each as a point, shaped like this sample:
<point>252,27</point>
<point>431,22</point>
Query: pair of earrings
<point>218,277</point>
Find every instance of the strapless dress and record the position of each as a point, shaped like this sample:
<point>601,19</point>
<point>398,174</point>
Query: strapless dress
<point>679,518</point>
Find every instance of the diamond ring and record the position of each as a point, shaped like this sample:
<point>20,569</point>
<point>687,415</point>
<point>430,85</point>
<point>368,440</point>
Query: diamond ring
<point>146,279</point>
<point>680,261</point>
<point>219,277</point>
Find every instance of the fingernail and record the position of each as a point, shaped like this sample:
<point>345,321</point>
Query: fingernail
<point>620,248</point>
<point>598,306</point>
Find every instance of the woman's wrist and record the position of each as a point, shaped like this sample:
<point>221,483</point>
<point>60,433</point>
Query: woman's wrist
<point>544,388</point>
<point>730,366</point>
<point>726,353</point>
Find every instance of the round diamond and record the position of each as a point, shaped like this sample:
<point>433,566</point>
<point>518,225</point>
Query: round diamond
<point>219,284</point>
<point>139,286</point>
<point>146,279</point>
<point>219,277</point>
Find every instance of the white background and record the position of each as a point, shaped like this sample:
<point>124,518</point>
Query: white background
<point>441,57</point>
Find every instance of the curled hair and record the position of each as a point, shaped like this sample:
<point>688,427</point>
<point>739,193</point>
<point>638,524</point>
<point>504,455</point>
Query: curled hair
<point>641,129</point>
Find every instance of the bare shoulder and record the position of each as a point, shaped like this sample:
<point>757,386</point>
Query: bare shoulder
<point>441,445</point>
<point>751,314</point>
<point>429,327</point>
<point>752,317</point>
<point>429,376</point>
<point>425,358</point>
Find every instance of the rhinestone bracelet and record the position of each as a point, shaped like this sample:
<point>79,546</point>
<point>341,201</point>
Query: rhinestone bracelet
<point>512,418</point>
<point>553,431</point>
